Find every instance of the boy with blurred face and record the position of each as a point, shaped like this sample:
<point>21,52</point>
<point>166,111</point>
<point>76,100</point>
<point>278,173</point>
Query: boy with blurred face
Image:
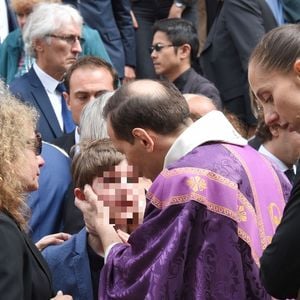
<point>116,183</point>
<point>119,190</point>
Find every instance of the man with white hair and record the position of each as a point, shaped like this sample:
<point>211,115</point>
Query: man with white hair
<point>52,35</point>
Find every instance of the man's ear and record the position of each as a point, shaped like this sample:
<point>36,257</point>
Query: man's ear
<point>79,194</point>
<point>38,45</point>
<point>185,50</point>
<point>297,68</point>
<point>144,138</point>
<point>67,99</point>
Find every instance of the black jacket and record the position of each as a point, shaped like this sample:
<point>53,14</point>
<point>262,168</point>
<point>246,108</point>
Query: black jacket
<point>24,274</point>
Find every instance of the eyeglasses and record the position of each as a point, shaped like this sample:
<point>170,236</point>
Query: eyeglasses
<point>70,39</point>
<point>36,143</point>
<point>158,47</point>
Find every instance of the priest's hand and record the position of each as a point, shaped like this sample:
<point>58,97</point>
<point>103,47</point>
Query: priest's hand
<point>96,217</point>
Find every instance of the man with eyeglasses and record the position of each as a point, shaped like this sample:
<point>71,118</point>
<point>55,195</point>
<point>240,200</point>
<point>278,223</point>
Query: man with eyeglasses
<point>52,35</point>
<point>14,62</point>
<point>174,48</point>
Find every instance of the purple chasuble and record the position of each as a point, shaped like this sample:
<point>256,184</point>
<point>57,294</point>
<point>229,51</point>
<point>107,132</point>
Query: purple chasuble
<point>212,213</point>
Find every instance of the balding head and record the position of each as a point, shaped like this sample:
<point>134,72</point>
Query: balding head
<point>150,104</point>
<point>199,105</point>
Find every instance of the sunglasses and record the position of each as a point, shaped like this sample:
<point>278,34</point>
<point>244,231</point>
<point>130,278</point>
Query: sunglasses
<point>158,47</point>
<point>36,143</point>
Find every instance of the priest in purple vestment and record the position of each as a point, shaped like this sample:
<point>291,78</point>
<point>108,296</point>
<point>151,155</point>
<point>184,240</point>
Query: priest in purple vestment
<point>212,209</point>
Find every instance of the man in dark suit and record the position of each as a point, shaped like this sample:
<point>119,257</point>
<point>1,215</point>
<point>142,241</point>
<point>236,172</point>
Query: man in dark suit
<point>52,35</point>
<point>113,21</point>
<point>86,79</point>
<point>174,47</point>
<point>237,27</point>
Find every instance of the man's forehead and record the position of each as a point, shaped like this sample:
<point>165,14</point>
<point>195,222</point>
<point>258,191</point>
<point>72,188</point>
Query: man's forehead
<point>92,68</point>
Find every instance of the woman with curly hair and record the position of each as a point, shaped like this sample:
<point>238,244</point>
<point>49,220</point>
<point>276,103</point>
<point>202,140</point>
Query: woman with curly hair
<point>23,272</point>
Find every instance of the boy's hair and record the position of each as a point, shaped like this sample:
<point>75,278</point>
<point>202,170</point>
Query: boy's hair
<point>92,160</point>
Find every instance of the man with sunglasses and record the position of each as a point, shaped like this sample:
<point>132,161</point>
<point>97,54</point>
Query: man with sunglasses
<point>52,35</point>
<point>174,48</point>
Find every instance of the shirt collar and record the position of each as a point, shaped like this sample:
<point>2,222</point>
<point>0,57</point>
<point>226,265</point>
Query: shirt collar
<point>181,80</point>
<point>214,126</point>
<point>48,82</point>
<point>77,135</point>
<point>281,165</point>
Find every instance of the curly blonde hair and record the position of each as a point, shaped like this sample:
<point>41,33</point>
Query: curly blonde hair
<point>17,122</point>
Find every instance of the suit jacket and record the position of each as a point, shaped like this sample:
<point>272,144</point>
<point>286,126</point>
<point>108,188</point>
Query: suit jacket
<point>255,142</point>
<point>72,216</point>
<point>10,54</point>
<point>236,30</point>
<point>113,21</point>
<point>24,272</point>
<point>69,265</point>
<point>28,88</point>
<point>193,83</point>
<point>48,202</point>
<point>66,141</point>
<point>291,10</point>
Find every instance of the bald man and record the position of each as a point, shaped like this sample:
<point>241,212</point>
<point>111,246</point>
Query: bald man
<point>199,105</point>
